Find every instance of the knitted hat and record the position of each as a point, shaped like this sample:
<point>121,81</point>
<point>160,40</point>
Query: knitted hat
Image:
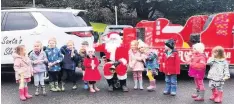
<point>85,43</point>
<point>199,47</point>
<point>170,43</point>
<point>141,44</point>
<point>90,49</point>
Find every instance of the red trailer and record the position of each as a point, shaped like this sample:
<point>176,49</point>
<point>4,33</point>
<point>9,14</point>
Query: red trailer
<point>211,30</point>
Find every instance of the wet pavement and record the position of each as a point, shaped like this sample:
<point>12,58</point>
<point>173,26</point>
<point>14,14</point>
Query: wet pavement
<point>9,94</point>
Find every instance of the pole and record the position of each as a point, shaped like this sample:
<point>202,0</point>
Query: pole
<point>116,15</point>
<point>34,5</point>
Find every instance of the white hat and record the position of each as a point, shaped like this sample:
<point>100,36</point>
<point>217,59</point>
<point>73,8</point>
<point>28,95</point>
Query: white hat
<point>90,49</point>
<point>141,44</point>
<point>199,47</point>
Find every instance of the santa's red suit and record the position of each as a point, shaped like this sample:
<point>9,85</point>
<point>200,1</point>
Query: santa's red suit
<point>119,54</point>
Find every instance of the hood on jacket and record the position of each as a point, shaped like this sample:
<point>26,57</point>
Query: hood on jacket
<point>15,56</point>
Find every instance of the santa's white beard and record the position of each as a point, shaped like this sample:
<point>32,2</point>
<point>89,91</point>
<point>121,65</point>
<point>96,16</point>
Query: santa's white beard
<point>111,47</point>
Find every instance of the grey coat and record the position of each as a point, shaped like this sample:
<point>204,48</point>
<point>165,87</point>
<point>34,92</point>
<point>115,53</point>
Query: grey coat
<point>218,69</point>
<point>41,67</point>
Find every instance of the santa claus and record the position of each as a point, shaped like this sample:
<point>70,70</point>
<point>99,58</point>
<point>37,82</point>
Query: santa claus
<point>116,58</point>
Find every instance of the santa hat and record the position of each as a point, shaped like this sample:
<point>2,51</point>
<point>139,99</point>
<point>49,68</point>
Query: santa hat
<point>170,43</point>
<point>199,47</point>
<point>114,35</point>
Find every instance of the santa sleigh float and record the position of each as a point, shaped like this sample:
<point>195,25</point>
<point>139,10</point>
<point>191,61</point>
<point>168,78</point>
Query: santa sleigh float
<point>211,30</point>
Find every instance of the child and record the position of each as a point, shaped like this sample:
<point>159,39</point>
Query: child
<point>197,69</point>
<point>152,66</point>
<point>218,73</point>
<point>136,64</point>
<point>69,63</point>
<point>170,67</point>
<point>23,71</point>
<point>92,73</point>
<point>83,55</point>
<point>38,58</point>
<point>54,57</point>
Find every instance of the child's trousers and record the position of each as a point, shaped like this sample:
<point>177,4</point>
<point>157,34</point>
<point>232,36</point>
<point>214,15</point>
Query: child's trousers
<point>39,77</point>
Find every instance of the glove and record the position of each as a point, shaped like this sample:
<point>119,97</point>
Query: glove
<point>225,78</point>
<point>116,63</point>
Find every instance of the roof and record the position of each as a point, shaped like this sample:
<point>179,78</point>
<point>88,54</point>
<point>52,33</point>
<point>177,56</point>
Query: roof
<point>118,26</point>
<point>43,9</point>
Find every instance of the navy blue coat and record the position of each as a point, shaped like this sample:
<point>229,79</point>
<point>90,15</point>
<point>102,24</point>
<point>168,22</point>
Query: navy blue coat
<point>69,63</point>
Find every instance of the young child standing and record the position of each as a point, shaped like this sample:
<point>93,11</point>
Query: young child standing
<point>23,71</point>
<point>54,57</point>
<point>92,74</point>
<point>83,55</point>
<point>152,65</point>
<point>197,69</point>
<point>170,67</point>
<point>69,63</point>
<point>136,63</point>
<point>38,58</point>
<point>218,73</point>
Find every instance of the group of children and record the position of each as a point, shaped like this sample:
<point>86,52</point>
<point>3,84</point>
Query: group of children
<point>60,65</point>
<point>141,57</point>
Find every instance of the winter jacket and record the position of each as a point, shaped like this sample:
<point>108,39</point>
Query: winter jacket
<point>151,62</point>
<point>54,55</point>
<point>219,68</point>
<point>172,63</point>
<point>22,65</point>
<point>69,63</point>
<point>41,67</point>
<point>136,60</point>
<point>197,65</point>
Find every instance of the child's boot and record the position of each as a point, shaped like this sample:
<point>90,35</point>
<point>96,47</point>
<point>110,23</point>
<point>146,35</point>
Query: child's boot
<point>173,89</point>
<point>152,86</point>
<point>135,84</point>
<point>141,84</point>
<point>74,86</point>
<point>52,87</point>
<point>21,94</point>
<point>63,86</point>
<point>200,96</point>
<point>96,88</point>
<point>43,90</point>
<point>86,85</point>
<point>37,91</point>
<point>91,88</point>
<point>26,94</point>
<point>195,94</point>
<point>219,97</point>
<point>57,87</point>
<point>214,94</point>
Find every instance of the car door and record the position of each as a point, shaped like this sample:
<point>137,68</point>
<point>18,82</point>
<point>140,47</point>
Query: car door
<point>19,28</point>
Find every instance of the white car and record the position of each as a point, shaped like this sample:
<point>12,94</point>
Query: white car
<point>25,26</point>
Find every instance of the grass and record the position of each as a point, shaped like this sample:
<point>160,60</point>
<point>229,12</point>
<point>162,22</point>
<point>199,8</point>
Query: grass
<point>99,27</point>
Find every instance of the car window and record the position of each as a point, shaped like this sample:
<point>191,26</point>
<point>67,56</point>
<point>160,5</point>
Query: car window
<point>80,21</point>
<point>2,16</point>
<point>208,21</point>
<point>19,21</point>
<point>62,19</point>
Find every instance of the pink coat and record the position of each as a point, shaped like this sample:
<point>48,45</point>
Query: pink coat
<point>136,60</point>
<point>197,65</point>
<point>22,65</point>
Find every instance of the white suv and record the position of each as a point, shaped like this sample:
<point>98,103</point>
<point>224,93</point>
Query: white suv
<point>25,26</point>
